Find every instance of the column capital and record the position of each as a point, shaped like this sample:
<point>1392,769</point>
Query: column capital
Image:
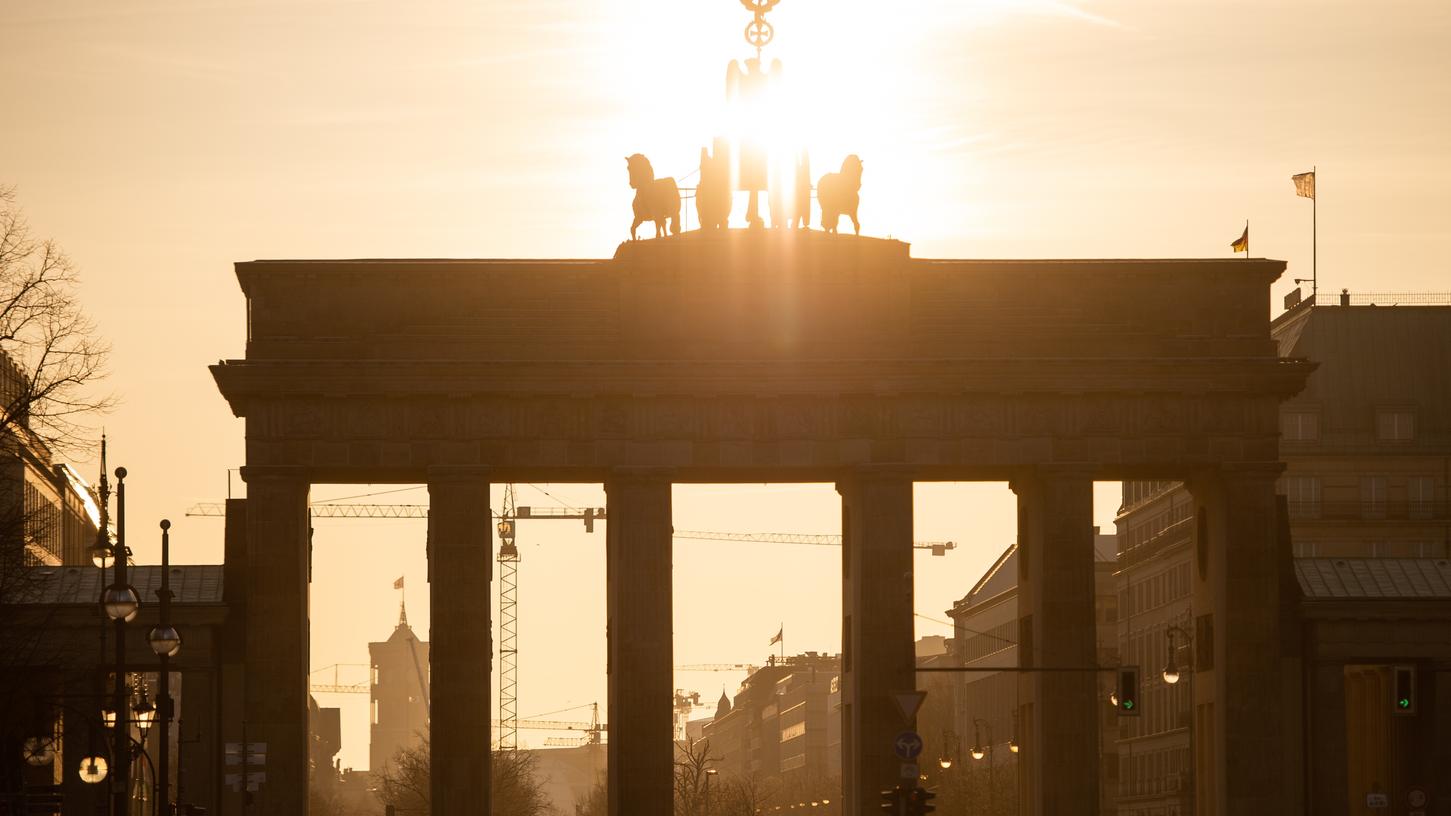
<point>876,473</point>
<point>639,474</point>
<point>1021,478</point>
<point>1237,472</point>
<point>296,474</point>
<point>457,474</point>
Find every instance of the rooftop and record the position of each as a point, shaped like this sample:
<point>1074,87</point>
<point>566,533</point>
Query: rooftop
<point>1374,578</point>
<point>60,586</point>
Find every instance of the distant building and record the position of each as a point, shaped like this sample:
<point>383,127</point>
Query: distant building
<point>48,513</point>
<point>1366,446</point>
<point>779,728</point>
<point>399,694</point>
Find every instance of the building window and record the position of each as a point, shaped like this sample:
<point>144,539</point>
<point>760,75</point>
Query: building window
<point>1303,493</point>
<point>1373,497</point>
<point>375,712</point>
<point>1300,425</point>
<point>1304,549</point>
<point>1395,424</point>
<point>1421,497</point>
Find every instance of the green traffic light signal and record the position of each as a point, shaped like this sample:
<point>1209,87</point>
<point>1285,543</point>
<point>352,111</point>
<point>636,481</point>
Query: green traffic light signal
<point>1127,696</point>
<point>1403,684</point>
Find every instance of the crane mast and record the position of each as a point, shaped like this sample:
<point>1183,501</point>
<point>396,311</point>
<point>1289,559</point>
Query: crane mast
<point>508,626</point>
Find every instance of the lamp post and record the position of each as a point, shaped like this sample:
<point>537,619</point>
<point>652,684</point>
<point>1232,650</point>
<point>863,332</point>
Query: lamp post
<point>977,753</point>
<point>709,772</point>
<point>951,747</point>
<point>1171,675</point>
<point>121,603</point>
<point>165,643</point>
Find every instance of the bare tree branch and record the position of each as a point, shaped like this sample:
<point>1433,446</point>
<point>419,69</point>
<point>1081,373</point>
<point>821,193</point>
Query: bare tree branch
<point>52,357</point>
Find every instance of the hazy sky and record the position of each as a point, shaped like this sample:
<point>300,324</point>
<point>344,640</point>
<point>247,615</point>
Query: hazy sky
<point>161,141</point>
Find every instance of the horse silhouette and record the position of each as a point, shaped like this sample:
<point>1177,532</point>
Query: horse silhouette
<point>791,203</point>
<point>713,192</point>
<point>840,193</point>
<point>655,199</point>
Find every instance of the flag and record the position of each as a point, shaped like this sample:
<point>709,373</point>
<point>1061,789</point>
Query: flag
<point>777,638</point>
<point>1241,244</point>
<point>398,584</point>
<point>1304,184</point>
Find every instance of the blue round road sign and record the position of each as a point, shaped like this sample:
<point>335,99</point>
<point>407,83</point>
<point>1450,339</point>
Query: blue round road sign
<point>908,745</point>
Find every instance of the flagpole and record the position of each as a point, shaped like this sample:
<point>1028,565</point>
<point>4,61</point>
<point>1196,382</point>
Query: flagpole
<point>1314,236</point>
<point>1246,239</point>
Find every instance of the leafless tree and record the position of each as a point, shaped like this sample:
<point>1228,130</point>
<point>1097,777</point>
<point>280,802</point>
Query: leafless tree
<point>747,796</point>
<point>55,354</point>
<point>517,788</point>
<point>597,802</point>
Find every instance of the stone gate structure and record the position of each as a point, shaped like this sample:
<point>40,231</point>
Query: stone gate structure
<point>757,356</point>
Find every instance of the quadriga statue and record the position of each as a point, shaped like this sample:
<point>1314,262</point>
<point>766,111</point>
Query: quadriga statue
<point>840,193</point>
<point>656,200</point>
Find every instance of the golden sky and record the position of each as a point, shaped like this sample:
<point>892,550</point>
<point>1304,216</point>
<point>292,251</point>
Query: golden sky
<point>159,141</point>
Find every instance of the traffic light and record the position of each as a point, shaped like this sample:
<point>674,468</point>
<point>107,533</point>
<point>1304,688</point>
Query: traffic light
<point>1403,690</point>
<point>919,802</point>
<point>892,800</point>
<point>1128,691</point>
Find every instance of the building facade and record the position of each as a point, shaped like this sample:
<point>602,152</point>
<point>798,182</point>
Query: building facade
<point>1366,447</point>
<point>779,730</point>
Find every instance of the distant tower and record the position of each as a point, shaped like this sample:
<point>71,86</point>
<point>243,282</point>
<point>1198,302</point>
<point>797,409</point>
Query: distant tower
<point>399,693</point>
<point>723,707</point>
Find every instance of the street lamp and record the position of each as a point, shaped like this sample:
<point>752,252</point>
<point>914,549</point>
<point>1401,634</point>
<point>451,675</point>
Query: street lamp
<point>709,772</point>
<point>101,554</point>
<point>121,603</point>
<point>951,747</point>
<point>93,770</point>
<point>165,642</point>
<point>38,751</point>
<point>978,753</point>
<point>1171,669</point>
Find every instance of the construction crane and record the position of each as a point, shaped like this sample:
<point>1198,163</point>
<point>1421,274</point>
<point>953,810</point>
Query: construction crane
<point>718,667</point>
<point>508,578</point>
<point>937,547</point>
<point>509,573</point>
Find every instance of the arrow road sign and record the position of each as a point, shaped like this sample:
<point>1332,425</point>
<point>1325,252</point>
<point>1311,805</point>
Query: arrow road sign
<point>907,745</point>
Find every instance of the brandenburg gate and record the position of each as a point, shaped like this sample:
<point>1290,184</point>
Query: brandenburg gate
<point>774,356</point>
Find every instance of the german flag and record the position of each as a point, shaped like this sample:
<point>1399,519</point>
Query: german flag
<point>1241,244</point>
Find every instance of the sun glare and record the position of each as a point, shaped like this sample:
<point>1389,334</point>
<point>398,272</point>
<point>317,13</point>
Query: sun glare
<point>846,78</point>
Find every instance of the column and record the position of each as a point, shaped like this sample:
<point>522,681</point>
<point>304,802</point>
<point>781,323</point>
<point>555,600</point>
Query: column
<point>1058,720</point>
<point>1238,632</point>
<point>1328,791</point>
<point>276,635</point>
<point>198,709</point>
<point>641,647</point>
<point>461,647</point>
<point>82,735</point>
<point>878,659</point>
